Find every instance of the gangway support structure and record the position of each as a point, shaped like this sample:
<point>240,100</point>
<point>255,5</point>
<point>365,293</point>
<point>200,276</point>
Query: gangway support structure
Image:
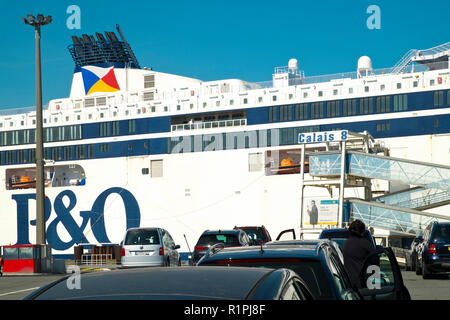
<point>355,162</point>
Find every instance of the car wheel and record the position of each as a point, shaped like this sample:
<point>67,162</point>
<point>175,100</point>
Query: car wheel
<point>426,273</point>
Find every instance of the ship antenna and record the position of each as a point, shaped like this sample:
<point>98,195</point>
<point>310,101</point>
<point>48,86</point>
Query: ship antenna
<point>133,57</point>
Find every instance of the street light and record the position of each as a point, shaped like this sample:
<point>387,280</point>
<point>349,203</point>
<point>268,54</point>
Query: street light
<point>37,22</point>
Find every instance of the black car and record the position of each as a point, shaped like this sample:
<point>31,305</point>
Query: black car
<point>228,238</point>
<point>319,265</point>
<point>411,254</point>
<point>183,283</point>
<point>433,253</point>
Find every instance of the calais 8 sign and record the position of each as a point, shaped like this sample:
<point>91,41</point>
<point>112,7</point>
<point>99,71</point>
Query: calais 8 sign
<point>326,136</point>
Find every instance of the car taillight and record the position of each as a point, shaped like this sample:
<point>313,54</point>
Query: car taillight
<point>123,252</point>
<point>432,249</point>
<point>200,248</point>
<point>161,251</point>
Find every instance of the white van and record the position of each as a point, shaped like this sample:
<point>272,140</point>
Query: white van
<point>143,247</point>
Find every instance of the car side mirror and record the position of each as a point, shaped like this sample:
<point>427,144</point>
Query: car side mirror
<point>176,247</point>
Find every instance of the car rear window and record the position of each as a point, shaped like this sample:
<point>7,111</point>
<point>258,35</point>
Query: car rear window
<point>258,232</point>
<point>442,232</point>
<point>142,237</point>
<point>344,234</point>
<point>211,239</point>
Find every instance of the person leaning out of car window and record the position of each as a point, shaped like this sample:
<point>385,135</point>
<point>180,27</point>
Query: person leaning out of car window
<point>356,249</point>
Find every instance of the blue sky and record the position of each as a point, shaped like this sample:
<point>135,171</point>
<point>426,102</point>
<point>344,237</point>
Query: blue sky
<point>213,40</point>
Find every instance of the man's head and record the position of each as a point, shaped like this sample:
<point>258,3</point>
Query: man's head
<point>357,227</point>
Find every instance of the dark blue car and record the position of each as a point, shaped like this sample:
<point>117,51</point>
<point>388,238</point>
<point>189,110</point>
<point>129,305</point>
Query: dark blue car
<point>319,265</point>
<point>433,253</point>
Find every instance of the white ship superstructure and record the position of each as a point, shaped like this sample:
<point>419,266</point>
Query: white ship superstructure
<point>132,146</point>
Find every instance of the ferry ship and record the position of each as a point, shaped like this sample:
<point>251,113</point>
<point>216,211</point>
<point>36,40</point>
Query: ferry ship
<point>132,146</point>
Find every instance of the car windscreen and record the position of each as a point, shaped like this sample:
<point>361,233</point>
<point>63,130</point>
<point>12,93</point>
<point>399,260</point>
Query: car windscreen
<point>142,237</point>
<point>211,239</point>
<point>311,271</point>
<point>442,232</point>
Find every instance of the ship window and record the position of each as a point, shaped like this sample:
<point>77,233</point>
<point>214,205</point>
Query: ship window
<point>100,101</point>
<point>415,84</point>
<point>145,171</point>
<point>366,89</point>
<point>79,152</point>
<point>436,123</point>
<point>260,99</point>
<point>401,102</point>
<point>438,98</point>
<point>149,96</point>
<point>320,93</point>
<point>350,90</point>
<point>191,106</point>
<point>432,82</point>
<point>218,103</point>
<point>245,101</point>
<point>156,168</point>
<point>383,104</point>
<point>301,111</point>
<point>382,87</point>
<point>178,107</point>
<point>399,85</point>
<point>204,104</point>
<point>149,81</point>
<point>349,107</point>
<point>385,126</point>
<point>153,108</point>
<point>167,109</point>
<point>104,129</point>
<point>291,96</point>
<point>286,113</point>
<point>104,147</point>
<point>317,110</point>
<point>335,92</point>
<point>89,102</point>
<point>448,97</point>
<point>274,98</point>
<point>332,108</point>
<point>305,94</point>
<point>131,126</point>
<point>115,128</point>
<point>365,105</point>
<point>272,114</point>
<point>231,102</point>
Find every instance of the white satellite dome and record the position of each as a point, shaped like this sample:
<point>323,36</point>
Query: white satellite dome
<point>293,64</point>
<point>364,65</point>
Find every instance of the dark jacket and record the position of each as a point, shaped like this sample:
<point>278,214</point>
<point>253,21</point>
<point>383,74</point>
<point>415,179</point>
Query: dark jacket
<point>355,251</point>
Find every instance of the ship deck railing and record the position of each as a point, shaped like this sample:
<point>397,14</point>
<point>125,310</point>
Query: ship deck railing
<point>209,125</point>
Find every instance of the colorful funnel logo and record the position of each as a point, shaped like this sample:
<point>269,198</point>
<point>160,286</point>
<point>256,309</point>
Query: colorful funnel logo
<point>98,79</point>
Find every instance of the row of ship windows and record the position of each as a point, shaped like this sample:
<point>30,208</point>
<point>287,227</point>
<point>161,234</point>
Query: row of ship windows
<point>65,133</point>
<point>314,110</point>
<point>198,143</point>
<point>317,110</point>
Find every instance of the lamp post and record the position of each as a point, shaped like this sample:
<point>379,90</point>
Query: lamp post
<point>37,22</point>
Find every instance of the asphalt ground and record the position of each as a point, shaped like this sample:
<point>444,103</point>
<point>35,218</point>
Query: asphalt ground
<point>18,287</point>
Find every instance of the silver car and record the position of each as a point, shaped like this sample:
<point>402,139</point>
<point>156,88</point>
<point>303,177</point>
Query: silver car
<point>144,247</point>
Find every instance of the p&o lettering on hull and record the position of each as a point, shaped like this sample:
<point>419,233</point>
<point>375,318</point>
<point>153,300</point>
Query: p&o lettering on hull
<point>64,217</point>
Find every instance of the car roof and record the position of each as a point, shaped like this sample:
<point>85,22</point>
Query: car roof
<point>161,283</point>
<point>285,249</point>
